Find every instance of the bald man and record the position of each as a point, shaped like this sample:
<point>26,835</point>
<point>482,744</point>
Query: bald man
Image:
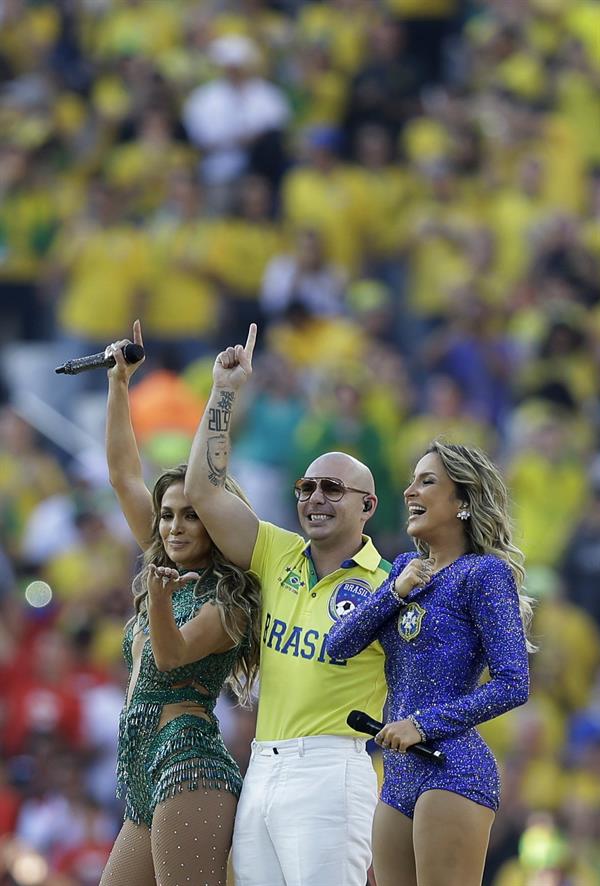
<point>304,817</point>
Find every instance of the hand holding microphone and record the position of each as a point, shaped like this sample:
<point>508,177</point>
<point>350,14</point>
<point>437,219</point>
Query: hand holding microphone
<point>122,358</point>
<point>123,367</point>
<point>361,721</point>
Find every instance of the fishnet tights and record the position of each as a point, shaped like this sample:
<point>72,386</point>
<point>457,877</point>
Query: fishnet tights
<point>188,843</point>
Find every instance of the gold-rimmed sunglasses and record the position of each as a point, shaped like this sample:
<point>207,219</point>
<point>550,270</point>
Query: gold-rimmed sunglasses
<point>332,488</point>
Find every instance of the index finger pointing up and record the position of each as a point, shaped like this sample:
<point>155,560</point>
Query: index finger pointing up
<point>137,333</point>
<point>250,341</point>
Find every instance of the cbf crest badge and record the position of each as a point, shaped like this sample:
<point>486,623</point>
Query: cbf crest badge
<point>409,621</point>
<point>347,596</point>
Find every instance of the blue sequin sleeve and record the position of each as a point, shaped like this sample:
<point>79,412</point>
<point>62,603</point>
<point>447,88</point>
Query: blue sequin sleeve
<point>493,605</point>
<point>355,631</point>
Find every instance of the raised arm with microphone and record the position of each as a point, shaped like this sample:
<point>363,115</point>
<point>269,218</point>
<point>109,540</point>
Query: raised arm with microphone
<point>361,721</point>
<point>132,353</point>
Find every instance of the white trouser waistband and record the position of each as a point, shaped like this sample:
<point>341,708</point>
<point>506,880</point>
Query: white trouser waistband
<point>301,746</point>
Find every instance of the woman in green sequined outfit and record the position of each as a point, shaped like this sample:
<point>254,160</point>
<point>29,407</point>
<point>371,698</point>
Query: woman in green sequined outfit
<point>195,629</point>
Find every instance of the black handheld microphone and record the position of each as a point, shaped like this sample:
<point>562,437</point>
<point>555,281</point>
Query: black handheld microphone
<point>363,723</point>
<point>132,353</point>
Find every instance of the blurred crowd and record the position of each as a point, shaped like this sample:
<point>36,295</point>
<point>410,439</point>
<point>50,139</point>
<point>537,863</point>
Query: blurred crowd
<point>406,197</point>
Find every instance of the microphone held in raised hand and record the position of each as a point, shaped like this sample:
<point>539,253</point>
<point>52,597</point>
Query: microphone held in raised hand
<point>132,353</point>
<point>363,723</point>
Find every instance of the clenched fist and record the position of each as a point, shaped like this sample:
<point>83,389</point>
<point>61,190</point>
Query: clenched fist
<point>415,574</point>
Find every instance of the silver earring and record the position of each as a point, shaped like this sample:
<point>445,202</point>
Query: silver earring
<point>464,514</point>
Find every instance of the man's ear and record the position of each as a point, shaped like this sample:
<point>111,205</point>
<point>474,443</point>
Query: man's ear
<point>369,505</point>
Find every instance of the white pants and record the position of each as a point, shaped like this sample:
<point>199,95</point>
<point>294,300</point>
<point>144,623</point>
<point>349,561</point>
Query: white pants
<point>305,813</point>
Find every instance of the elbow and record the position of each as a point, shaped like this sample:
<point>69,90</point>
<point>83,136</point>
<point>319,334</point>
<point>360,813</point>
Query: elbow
<point>189,481</point>
<point>190,491</point>
<point>169,654</point>
<point>336,648</point>
<point>522,693</point>
<point>518,691</point>
<point>332,648</point>
<point>344,641</point>
<point>164,663</point>
<point>120,481</point>
<point>193,490</point>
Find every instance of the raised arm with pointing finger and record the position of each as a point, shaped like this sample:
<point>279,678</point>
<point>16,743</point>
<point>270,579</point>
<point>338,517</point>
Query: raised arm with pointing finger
<point>305,695</point>
<point>231,524</point>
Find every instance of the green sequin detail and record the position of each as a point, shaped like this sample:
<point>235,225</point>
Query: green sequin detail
<point>188,752</point>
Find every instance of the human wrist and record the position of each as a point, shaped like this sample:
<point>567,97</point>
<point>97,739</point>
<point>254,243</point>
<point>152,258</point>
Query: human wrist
<point>116,380</point>
<point>395,593</point>
<point>224,396</point>
<point>418,727</point>
<point>157,600</point>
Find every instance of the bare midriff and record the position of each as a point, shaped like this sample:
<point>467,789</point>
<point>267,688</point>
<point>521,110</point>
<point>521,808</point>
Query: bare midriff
<point>170,711</point>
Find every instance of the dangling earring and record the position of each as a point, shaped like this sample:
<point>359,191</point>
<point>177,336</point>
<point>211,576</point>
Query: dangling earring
<point>464,513</point>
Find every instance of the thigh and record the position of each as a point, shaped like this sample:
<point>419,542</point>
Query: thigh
<point>321,819</point>
<point>393,854</point>
<point>130,860</point>
<point>191,837</point>
<point>361,800</point>
<point>255,862</point>
<point>450,835</point>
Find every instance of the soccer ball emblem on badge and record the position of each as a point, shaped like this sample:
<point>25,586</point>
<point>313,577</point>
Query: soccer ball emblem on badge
<point>343,607</point>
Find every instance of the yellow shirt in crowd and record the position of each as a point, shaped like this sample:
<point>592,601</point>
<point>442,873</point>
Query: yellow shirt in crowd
<point>335,203</point>
<point>179,264</point>
<point>107,271</point>
<point>240,251</point>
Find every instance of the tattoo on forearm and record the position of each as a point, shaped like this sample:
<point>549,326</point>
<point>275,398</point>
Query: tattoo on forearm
<point>220,416</point>
<point>226,400</point>
<point>218,420</point>
<point>217,456</point>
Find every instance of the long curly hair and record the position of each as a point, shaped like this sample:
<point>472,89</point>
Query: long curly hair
<point>237,591</point>
<point>489,529</point>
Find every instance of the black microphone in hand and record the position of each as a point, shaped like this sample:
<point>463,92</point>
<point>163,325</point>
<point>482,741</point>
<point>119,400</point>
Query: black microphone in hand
<point>132,353</point>
<point>363,723</point>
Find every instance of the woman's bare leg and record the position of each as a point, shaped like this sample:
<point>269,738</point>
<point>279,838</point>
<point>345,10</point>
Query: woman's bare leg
<point>130,860</point>
<point>191,838</point>
<point>450,838</point>
<point>393,855</point>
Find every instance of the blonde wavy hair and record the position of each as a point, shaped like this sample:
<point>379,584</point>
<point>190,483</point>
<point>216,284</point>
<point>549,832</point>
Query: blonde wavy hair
<point>237,594</point>
<point>489,530</point>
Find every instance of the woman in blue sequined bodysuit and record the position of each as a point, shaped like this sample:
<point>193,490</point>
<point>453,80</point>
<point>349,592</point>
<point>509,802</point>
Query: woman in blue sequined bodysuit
<point>195,628</point>
<point>443,615</point>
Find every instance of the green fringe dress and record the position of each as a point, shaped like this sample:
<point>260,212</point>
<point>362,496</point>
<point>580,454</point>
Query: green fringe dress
<point>188,752</point>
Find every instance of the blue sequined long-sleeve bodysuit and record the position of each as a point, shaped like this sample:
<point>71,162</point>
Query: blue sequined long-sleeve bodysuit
<point>437,643</point>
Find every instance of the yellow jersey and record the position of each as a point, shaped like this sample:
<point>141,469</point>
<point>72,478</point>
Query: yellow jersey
<point>303,691</point>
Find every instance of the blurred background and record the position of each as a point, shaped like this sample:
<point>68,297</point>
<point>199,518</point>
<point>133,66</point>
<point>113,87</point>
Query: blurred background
<point>405,195</point>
